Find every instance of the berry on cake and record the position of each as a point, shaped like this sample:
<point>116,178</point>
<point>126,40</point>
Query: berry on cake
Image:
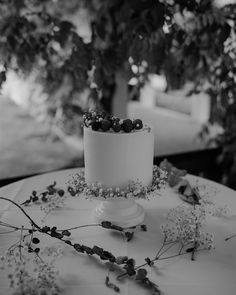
<point>117,151</point>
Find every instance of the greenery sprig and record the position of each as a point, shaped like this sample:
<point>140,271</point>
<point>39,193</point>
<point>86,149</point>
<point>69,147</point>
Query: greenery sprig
<point>42,279</point>
<point>49,199</point>
<point>182,231</point>
<point>182,40</point>
<point>44,196</point>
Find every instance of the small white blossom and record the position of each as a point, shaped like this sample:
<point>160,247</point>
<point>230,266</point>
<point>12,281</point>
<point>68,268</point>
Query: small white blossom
<point>134,189</point>
<point>185,225</point>
<point>37,280</point>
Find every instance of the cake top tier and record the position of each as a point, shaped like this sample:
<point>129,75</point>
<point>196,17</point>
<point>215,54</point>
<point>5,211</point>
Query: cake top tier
<point>101,121</point>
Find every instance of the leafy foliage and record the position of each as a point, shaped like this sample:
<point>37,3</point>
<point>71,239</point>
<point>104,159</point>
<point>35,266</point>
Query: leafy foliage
<point>184,40</point>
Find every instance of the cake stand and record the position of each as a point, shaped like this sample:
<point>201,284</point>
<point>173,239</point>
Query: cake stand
<point>116,205</point>
<point>124,212</point>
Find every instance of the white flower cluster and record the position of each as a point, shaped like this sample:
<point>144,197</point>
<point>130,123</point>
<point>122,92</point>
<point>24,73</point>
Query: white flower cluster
<point>54,202</point>
<point>206,193</point>
<point>185,225</point>
<point>134,189</point>
<point>54,251</point>
<point>77,182</point>
<point>30,274</point>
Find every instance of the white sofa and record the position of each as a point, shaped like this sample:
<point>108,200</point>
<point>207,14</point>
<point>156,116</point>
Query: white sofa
<point>177,120</point>
<point>175,132</point>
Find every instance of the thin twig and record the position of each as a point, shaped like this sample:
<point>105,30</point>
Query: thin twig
<point>195,245</point>
<point>162,246</point>
<point>8,232</point>
<point>168,248</point>
<point>80,226</point>
<point>152,260</point>
<point>172,256</point>
<point>176,255</point>
<point>194,250</point>
<point>20,246</point>
<point>13,226</point>
<point>18,206</point>
<point>10,249</point>
<point>230,237</point>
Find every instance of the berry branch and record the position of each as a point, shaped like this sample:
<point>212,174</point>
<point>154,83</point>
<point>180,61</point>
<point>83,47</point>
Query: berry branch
<point>183,230</point>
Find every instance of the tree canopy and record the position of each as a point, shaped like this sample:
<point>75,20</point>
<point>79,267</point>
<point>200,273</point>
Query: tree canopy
<point>185,40</point>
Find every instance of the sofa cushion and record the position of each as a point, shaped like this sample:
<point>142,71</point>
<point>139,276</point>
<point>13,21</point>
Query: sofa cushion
<point>172,101</point>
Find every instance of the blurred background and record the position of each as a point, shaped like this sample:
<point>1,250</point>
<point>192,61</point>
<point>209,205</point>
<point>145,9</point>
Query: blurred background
<point>170,63</point>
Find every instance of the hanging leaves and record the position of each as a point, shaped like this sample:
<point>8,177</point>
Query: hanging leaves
<point>186,40</point>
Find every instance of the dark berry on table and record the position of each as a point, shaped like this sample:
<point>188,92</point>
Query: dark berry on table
<point>116,127</point>
<point>35,199</point>
<point>96,125</point>
<point>46,229</point>
<point>127,125</point>
<point>30,250</point>
<point>35,240</point>
<point>66,233</point>
<point>61,192</point>
<point>138,124</point>
<point>105,125</point>
<point>44,199</point>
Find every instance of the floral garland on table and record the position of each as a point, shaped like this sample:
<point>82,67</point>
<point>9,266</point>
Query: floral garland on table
<point>183,234</point>
<point>136,189</point>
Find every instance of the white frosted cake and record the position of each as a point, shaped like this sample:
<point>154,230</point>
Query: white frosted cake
<point>115,158</point>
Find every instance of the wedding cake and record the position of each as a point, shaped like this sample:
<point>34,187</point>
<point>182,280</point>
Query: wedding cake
<point>117,152</point>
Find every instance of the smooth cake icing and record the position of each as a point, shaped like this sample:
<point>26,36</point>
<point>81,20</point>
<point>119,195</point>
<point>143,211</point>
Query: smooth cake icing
<point>114,159</point>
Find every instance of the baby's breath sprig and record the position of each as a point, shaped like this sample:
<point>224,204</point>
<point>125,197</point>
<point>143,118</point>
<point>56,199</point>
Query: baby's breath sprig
<point>77,185</point>
<point>185,225</point>
<point>62,235</point>
<point>50,198</point>
<point>44,195</point>
<point>41,279</point>
<point>19,259</point>
<point>184,230</point>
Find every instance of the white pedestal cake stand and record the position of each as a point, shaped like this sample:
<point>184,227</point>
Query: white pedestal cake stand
<point>121,211</point>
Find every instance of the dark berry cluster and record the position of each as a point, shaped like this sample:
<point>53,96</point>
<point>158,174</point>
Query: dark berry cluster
<point>45,195</point>
<point>103,122</point>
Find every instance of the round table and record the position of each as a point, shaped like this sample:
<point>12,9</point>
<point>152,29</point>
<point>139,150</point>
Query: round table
<point>212,273</point>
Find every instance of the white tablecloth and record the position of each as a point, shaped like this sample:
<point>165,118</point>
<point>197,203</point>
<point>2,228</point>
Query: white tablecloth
<point>213,272</point>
